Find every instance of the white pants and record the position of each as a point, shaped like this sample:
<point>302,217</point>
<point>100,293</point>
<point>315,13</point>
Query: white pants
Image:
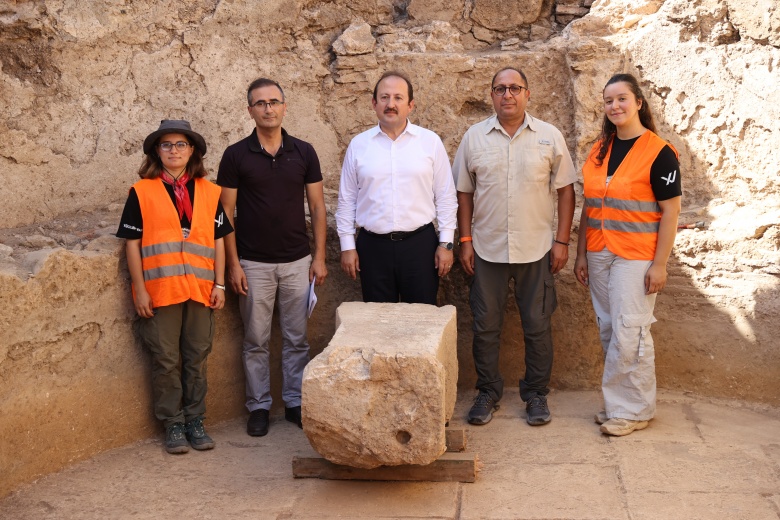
<point>624,313</point>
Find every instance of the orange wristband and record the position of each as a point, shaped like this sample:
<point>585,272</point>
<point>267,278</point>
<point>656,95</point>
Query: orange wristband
<point>464,239</point>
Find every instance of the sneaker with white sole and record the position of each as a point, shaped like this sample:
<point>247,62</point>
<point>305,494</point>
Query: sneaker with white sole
<point>620,427</point>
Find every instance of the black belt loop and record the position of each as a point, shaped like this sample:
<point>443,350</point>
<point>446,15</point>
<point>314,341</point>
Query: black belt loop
<point>397,236</point>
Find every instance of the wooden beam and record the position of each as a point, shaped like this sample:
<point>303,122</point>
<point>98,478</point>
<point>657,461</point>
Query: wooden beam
<point>455,439</point>
<point>450,467</point>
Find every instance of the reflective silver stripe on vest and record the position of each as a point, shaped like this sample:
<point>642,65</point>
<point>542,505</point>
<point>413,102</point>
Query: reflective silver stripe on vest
<point>628,227</point>
<point>178,247</point>
<point>592,203</point>
<point>178,270</point>
<point>631,205</point>
<point>631,227</point>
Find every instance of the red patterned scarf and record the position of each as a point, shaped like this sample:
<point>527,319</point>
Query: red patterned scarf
<point>183,203</point>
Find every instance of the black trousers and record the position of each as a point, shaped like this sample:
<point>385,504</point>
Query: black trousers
<point>536,299</point>
<point>403,270</point>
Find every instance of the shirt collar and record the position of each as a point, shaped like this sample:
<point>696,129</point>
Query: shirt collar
<point>410,128</point>
<point>254,142</point>
<point>493,124</point>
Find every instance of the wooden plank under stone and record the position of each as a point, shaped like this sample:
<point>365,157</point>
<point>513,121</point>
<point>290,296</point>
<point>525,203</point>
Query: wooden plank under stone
<point>450,467</point>
<point>455,439</point>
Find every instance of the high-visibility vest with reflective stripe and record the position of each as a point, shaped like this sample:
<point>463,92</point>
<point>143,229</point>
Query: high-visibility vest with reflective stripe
<point>624,215</point>
<point>175,269</point>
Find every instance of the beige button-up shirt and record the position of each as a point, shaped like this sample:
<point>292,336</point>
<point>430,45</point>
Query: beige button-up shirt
<point>513,179</point>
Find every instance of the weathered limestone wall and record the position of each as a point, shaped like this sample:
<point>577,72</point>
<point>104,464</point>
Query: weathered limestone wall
<point>82,83</point>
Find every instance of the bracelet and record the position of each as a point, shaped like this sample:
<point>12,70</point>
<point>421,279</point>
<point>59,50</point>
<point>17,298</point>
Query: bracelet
<point>464,239</point>
<point>562,243</point>
<point>219,286</point>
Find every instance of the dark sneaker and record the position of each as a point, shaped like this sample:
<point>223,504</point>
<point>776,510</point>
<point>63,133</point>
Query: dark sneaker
<point>482,410</point>
<point>197,435</point>
<point>257,425</point>
<point>537,411</point>
<point>175,440</point>
<point>293,414</point>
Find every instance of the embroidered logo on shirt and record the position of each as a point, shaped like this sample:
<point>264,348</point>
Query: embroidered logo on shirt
<point>219,220</point>
<point>672,177</point>
<point>544,141</point>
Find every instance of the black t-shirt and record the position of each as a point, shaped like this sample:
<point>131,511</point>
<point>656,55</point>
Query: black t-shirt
<point>664,173</point>
<point>270,220</point>
<point>131,225</point>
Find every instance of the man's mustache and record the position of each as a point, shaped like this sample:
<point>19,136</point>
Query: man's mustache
<point>388,110</point>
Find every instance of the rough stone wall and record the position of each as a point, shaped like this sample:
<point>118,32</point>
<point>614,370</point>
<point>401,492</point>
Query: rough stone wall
<point>83,82</point>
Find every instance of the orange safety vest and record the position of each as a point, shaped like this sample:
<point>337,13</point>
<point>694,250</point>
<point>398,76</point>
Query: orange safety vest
<point>175,269</point>
<point>623,216</point>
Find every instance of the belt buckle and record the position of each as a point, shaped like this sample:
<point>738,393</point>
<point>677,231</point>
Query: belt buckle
<point>400,236</point>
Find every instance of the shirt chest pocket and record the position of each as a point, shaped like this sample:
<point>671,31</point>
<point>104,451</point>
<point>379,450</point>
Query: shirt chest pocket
<point>485,164</point>
<point>536,162</point>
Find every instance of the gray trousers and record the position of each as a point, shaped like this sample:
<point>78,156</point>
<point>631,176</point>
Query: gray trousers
<point>536,300</point>
<point>291,282</point>
<point>624,314</point>
<point>179,335</point>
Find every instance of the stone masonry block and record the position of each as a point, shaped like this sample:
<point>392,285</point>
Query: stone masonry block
<point>384,388</point>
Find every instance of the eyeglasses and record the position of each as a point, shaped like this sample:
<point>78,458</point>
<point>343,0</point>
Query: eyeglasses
<point>500,90</point>
<point>274,103</point>
<point>181,146</point>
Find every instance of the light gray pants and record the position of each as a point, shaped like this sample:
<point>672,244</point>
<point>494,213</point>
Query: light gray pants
<point>291,282</point>
<point>624,313</point>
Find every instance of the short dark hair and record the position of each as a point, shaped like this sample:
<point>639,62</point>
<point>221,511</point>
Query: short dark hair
<point>397,74</point>
<point>259,83</point>
<point>522,75</point>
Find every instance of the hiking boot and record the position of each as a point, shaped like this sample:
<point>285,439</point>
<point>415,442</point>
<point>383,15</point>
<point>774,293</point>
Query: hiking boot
<point>601,417</point>
<point>293,414</point>
<point>197,435</point>
<point>620,427</point>
<point>175,440</point>
<point>537,411</point>
<point>482,410</point>
<point>257,425</point>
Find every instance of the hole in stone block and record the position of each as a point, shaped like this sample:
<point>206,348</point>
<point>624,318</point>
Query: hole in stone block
<point>403,437</point>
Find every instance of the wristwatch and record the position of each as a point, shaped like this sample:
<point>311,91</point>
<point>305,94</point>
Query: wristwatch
<point>446,245</point>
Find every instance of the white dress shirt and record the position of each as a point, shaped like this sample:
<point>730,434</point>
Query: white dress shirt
<point>513,179</point>
<point>399,185</point>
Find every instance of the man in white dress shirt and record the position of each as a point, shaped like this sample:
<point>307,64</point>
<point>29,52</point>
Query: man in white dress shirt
<point>395,181</point>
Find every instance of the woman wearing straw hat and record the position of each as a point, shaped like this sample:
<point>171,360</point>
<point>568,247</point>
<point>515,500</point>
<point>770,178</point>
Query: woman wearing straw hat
<point>174,224</point>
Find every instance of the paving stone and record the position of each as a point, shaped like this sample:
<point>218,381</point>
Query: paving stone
<point>719,423</point>
<point>548,444</point>
<point>377,500</point>
<point>524,491</point>
<point>675,466</point>
<point>672,421</point>
<point>700,506</point>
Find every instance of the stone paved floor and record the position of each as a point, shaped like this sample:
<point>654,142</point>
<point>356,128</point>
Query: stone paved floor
<point>699,459</point>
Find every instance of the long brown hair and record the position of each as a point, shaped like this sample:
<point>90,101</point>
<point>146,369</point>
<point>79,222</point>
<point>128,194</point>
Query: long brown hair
<point>152,166</point>
<point>608,129</point>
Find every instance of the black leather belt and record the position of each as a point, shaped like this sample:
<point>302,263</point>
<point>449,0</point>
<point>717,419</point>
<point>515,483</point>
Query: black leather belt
<point>396,236</point>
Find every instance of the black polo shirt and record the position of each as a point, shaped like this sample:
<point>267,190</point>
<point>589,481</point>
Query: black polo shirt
<point>270,220</point>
